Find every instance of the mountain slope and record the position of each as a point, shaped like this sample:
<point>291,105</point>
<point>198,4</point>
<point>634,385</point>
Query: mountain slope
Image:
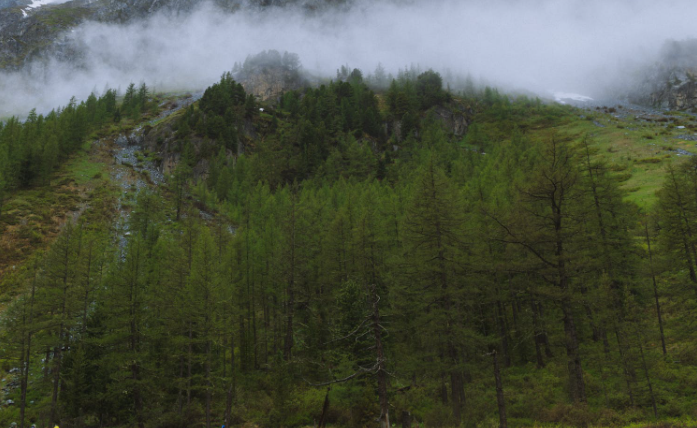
<point>388,244</point>
<point>41,33</point>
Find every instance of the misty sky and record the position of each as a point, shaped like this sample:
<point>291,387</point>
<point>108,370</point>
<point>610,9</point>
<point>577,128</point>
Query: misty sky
<point>540,45</point>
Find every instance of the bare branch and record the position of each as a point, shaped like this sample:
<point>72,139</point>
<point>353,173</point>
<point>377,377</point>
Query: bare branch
<point>360,371</point>
<point>348,335</point>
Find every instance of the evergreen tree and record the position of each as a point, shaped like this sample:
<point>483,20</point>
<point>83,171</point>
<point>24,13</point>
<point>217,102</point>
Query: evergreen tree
<point>3,187</point>
<point>434,239</point>
<point>58,298</point>
<point>126,308</point>
<point>203,296</point>
<point>142,97</point>
<point>50,158</point>
<point>130,99</point>
<point>549,229</point>
<point>429,87</point>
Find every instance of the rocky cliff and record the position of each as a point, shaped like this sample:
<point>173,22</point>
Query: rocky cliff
<point>671,82</point>
<point>269,74</point>
<point>454,119</point>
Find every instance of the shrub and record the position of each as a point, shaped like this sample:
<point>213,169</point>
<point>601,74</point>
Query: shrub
<point>649,160</point>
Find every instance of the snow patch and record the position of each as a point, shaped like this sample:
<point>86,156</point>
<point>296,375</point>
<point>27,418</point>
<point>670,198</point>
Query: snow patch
<point>38,3</point>
<point>562,97</point>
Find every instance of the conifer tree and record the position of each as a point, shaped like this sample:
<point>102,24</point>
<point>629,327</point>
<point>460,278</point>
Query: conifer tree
<point>203,296</point>
<point>58,298</point>
<point>142,97</point>
<point>50,158</point>
<point>130,98</point>
<point>126,307</point>
<point>434,238</point>
<point>551,209</point>
<point>678,234</point>
<point>3,190</point>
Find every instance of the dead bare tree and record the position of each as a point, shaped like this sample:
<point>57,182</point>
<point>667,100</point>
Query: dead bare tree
<point>370,324</point>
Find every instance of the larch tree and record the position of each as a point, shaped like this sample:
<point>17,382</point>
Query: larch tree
<point>434,242</point>
<point>550,211</point>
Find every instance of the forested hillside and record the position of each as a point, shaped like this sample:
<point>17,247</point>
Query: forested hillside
<point>347,258</point>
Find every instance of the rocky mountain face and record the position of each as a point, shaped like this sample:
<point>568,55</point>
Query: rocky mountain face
<point>13,3</point>
<point>454,120</point>
<point>127,10</point>
<point>27,34</point>
<point>672,82</point>
<point>677,92</point>
<point>269,74</point>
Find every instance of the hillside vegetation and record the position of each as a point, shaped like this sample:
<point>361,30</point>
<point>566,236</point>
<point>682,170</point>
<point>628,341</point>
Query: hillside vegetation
<point>340,257</point>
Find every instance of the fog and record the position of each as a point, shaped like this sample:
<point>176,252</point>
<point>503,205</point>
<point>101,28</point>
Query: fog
<point>578,46</point>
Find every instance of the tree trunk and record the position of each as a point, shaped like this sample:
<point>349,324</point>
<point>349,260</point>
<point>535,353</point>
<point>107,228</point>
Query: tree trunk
<point>2,198</point>
<point>577,389</point>
<point>134,347</point>
<point>515,309</point>
<point>47,367</point>
<point>648,378</point>
<point>209,386</point>
<point>290,288</point>
<point>503,333</point>
<point>180,392</point>
<point>688,259</point>
<point>58,351</point>
<point>544,336</point>
<point>406,419</point>
<point>244,362</point>
<point>500,400</point>
<point>443,389</point>
<point>26,356</point>
<point>685,230</point>
<point>255,345</point>
<point>26,359</point>
<point>629,374</point>
<point>58,357</point>
<point>538,335</point>
<point>189,365</point>
<point>655,290</point>
<point>381,372</point>
<point>325,408</point>
<point>137,396</point>
<point>232,386</point>
<point>85,303</point>
<point>457,388</point>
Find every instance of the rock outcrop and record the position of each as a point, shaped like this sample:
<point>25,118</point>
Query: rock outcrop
<point>671,83</point>
<point>269,74</point>
<point>453,120</point>
<point>678,91</point>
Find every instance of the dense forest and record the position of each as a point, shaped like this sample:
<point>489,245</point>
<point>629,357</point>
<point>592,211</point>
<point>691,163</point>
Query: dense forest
<point>365,266</point>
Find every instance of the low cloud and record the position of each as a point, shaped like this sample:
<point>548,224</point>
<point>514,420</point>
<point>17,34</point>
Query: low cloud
<point>581,46</point>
